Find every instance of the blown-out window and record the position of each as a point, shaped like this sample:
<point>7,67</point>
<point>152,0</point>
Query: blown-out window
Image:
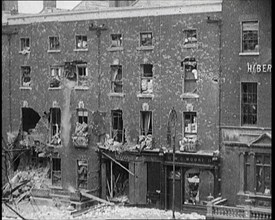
<point>146,39</point>
<point>55,77</point>
<point>147,79</point>
<point>146,126</point>
<point>117,126</point>
<point>116,74</point>
<point>116,40</point>
<point>56,172</point>
<point>26,76</point>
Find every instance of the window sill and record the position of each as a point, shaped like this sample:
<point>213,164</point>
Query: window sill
<point>114,94</point>
<point>149,96</point>
<point>249,53</point>
<point>145,48</point>
<point>25,87</point>
<point>112,49</point>
<point>53,51</point>
<point>81,50</point>
<point>191,45</point>
<point>81,88</point>
<point>54,88</point>
<point>189,96</point>
<point>24,52</point>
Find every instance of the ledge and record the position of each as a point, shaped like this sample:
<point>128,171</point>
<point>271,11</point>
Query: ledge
<point>253,195</point>
<point>53,51</point>
<point>81,50</point>
<point>249,53</point>
<point>81,88</point>
<point>25,87</point>
<point>54,88</point>
<point>189,96</point>
<point>145,48</point>
<point>114,94</point>
<point>149,96</point>
<point>191,45</point>
<point>113,49</point>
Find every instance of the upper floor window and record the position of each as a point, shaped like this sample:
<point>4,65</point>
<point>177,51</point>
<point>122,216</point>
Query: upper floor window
<point>26,76</point>
<point>190,124</point>
<point>81,42</point>
<point>82,116</point>
<point>116,74</point>
<point>250,36</point>
<point>146,126</point>
<point>190,75</point>
<point>55,126</point>
<point>190,36</point>
<point>117,126</point>
<point>249,103</point>
<point>116,40</point>
<point>55,80</point>
<point>54,43</point>
<point>146,39</point>
<point>147,79</point>
<point>25,44</point>
<point>82,74</point>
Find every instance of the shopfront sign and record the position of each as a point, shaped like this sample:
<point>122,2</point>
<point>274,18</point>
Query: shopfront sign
<point>258,68</point>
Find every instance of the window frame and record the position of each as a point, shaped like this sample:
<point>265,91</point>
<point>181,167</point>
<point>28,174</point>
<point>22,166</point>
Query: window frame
<point>21,77</point>
<point>82,78</point>
<point>60,73</point>
<point>141,132</point>
<point>122,130</point>
<point>121,40</point>
<point>194,114</point>
<point>76,39</point>
<point>262,165</point>
<point>242,52</point>
<point>140,38</point>
<point>49,44</point>
<point>52,134</point>
<point>142,77</point>
<point>20,43</point>
<point>56,171</point>
<point>85,115</point>
<point>241,104</point>
<point>77,176</point>
<point>119,67</point>
<point>185,79</point>
<point>185,32</point>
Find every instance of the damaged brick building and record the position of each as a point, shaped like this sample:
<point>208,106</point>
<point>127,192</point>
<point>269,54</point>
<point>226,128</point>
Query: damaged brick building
<point>91,91</point>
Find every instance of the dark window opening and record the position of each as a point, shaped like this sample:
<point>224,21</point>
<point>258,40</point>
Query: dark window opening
<point>25,44</point>
<point>82,174</point>
<point>55,77</point>
<point>116,74</point>
<point>146,39</point>
<point>250,32</point>
<point>54,43</point>
<point>117,126</point>
<point>82,116</point>
<point>26,76</point>
<point>56,172</point>
<point>263,173</point>
<point>81,42</point>
<point>82,74</point>
<point>147,78</point>
<point>29,119</point>
<point>249,104</point>
<point>190,36</point>
<point>55,126</point>
<point>146,123</point>
<point>190,75</point>
<point>116,40</point>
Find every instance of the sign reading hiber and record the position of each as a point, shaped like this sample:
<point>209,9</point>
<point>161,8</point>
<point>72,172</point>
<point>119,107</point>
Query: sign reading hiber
<point>257,68</point>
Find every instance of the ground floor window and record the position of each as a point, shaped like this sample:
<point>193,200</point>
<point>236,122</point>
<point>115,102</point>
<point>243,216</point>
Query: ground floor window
<point>56,172</point>
<point>82,174</point>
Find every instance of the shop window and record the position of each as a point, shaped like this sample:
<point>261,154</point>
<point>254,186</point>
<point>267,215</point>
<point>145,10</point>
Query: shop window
<point>117,126</point>
<point>55,80</point>
<point>147,79</point>
<point>146,127</point>
<point>263,173</point>
<point>190,36</point>
<point>54,43</point>
<point>82,174</point>
<point>190,75</point>
<point>81,42</point>
<point>55,126</point>
<point>250,36</point>
<point>82,74</point>
<point>116,40</point>
<point>26,76</point>
<point>56,172</point>
<point>249,103</point>
<point>116,74</point>
<point>25,45</point>
<point>146,39</point>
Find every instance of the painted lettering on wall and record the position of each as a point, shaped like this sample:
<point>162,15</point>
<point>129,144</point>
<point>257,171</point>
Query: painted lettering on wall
<point>257,68</point>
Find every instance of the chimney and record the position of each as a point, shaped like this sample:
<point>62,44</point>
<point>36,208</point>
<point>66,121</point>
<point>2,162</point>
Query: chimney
<point>11,5</point>
<point>49,4</point>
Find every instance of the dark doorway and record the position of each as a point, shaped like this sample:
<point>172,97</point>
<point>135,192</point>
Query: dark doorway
<point>153,184</point>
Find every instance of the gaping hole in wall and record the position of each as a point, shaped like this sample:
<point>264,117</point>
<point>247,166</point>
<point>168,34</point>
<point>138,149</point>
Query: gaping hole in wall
<point>116,80</point>
<point>147,78</point>
<point>29,119</point>
<point>26,76</point>
<point>82,174</point>
<point>55,126</point>
<point>190,75</point>
<point>117,126</point>
<point>117,181</point>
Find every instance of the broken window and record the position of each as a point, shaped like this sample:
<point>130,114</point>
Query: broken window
<point>190,36</point>
<point>70,71</point>
<point>146,123</point>
<point>55,126</point>
<point>55,80</point>
<point>80,137</point>
<point>250,36</point>
<point>82,74</point>
<point>81,42</point>
<point>249,103</point>
<point>116,40</point>
<point>116,74</point>
<point>56,172</point>
<point>26,76</point>
<point>190,75</point>
<point>147,79</point>
<point>54,43</point>
<point>82,174</point>
<point>25,44</point>
<point>117,126</point>
<point>146,39</point>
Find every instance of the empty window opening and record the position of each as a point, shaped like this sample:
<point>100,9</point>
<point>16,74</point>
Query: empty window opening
<point>116,40</point>
<point>26,76</point>
<point>82,74</point>
<point>116,74</point>
<point>147,79</point>
<point>190,36</point>
<point>55,80</point>
<point>82,174</point>
<point>190,75</point>
<point>146,123</point>
<point>146,39</point>
<point>189,141</point>
<point>250,35</point>
<point>70,71</point>
<point>56,172</point>
<point>25,44</point>
<point>249,103</point>
<point>55,126</point>
<point>54,43</point>
<point>81,42</point>
<point>117,126</point>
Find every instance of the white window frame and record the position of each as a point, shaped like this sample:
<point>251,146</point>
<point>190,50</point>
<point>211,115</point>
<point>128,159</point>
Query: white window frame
<point>140,37</point>
<point>113,81</point>
<point>21,77</point>
<point>241,39</point>
<point>81,48</point>
<point>142,77</point>
<point>49,44</point>
<point>85,78</point>
<point>22,50</point>
<point>60,71</point>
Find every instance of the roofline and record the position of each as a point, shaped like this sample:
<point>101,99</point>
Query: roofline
<point>123,12</point>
